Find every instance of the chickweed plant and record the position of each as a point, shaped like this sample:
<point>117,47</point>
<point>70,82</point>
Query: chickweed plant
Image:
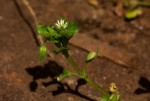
<point>59,34</point>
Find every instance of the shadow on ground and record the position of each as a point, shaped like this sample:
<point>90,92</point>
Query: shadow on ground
<point>52,70</point>
<point>145,86</point>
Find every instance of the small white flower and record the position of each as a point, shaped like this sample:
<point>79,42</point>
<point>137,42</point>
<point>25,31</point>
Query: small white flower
<point>61,24</point>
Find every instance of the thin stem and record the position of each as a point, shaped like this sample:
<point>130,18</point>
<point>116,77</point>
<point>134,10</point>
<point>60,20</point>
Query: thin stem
<point>85,68</point>
<point>96,86</point>
<point>82,74</point>
<point>70,60</point>
<point>73,64</point>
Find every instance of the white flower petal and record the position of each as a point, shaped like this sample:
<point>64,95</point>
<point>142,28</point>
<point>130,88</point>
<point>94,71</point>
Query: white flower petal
<point>61,24</point>
<point>57,24</point>
<point>65,25</point>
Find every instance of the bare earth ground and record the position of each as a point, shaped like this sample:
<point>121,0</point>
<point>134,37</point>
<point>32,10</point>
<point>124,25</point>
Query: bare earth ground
<point>23,78</point>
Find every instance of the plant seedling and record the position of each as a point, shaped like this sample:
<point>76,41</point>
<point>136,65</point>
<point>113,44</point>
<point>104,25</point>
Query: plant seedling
<point>59,34</point>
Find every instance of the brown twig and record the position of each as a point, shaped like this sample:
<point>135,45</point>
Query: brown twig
<point>38,38</point>
<point>26,3</point>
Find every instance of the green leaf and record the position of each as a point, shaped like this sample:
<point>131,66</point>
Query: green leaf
<point>105,98</point>
<point>66,73</point>
<point>91,56</point>
<point>42,52</point>
<point>114,97</point>
<point>119,99</point>
<point>53,34</point>
<point>133,13</point>
<point>48,33</point>
<point>70,31</point>
<point>42,30</point>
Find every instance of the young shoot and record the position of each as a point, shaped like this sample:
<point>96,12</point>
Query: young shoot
<point>59,34</point>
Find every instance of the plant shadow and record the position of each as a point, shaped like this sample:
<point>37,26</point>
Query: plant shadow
<point>145,86</point>
<point>52,70</point>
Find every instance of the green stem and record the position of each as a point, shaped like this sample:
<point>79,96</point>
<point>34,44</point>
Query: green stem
<point>85,68</point>
<point>83,75</point>
<point>70,60</point>
<point>96,86</point>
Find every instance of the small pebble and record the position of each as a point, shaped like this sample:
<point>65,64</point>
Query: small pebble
<point>1,18</point>
<point>104,77</point>
<point>70,98</point>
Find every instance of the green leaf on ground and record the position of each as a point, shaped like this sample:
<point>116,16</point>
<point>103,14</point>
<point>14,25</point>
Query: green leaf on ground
<point>133,13</point>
